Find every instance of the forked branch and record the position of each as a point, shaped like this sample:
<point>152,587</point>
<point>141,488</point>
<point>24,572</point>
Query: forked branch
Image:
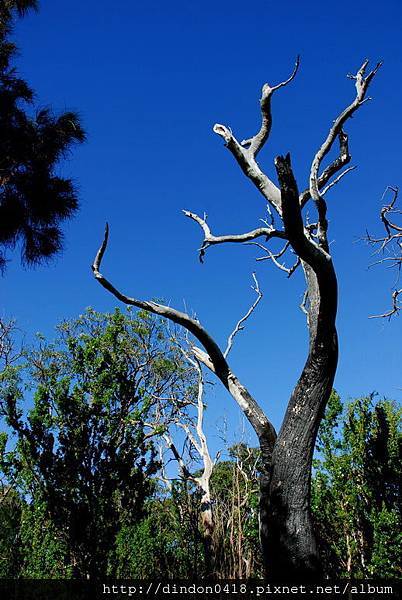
<point>340,161</point>
<point>245,152</point>
<point>304,247</point>
<point>362,84</point>
<point>337,180</point>
<point>390,242</point>
<point>395,308</point>
<point>210,239</point>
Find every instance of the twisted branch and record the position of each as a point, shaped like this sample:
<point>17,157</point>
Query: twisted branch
<point>256,143</point>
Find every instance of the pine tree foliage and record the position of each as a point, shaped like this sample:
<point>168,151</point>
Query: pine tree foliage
<point>34,199</point>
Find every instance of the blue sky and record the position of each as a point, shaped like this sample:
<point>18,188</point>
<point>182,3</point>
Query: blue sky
<point>150,79</point>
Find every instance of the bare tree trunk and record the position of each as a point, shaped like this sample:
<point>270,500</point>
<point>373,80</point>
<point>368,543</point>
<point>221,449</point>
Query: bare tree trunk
<point>287,536</point>
<point>289,545</point>
<point>290,549</point>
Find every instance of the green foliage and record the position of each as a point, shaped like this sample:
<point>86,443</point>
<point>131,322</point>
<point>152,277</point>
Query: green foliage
<point>81,497</point>
<point>167,543</point>
<point>43,547</point>
<point>10,518</point>
<point>356,488</point>
<point>170,540</point>
<point>83,453</point>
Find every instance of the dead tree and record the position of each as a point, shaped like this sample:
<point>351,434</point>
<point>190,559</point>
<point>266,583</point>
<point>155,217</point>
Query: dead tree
<point>288,542</point>
<point>389,246</point>
<point>195,442</point>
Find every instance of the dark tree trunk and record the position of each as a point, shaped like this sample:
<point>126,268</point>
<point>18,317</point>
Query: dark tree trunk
<point>287,536</point>
<point>292,550</point>
<point>289,545</point>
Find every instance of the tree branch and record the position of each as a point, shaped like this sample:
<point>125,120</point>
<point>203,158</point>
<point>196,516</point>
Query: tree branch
<point>212,358</point>
<point>362,84</point>
<point>306,249</point>
<point>343,159</point>
<point>210,239</point>
<point>274,258</point>
<point>390,208</point>
<point>391,241</point>
<point>192,325</point>
<point>396,307</point>
<point>182,465</point>
<point>246,152</point>
<point>240,323</point>
<point>256,143</point>
<point>250,167</point>
<point>337,179</point>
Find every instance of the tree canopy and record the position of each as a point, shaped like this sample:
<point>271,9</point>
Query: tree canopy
<point>34,198</point>
<point>84,453</point>
<point>356,488</point>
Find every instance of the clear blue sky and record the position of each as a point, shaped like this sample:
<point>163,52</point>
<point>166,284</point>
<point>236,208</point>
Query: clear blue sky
<point>149,79</point>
